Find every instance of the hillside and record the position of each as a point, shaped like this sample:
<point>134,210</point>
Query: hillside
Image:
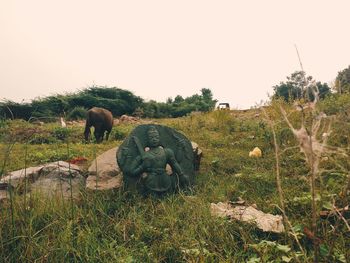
<point>120,226</point>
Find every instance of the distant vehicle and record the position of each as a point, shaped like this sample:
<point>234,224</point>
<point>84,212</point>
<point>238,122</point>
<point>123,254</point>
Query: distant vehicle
<point>223,106</point>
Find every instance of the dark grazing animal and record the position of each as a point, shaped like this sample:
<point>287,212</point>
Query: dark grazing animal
<point>102,121</point>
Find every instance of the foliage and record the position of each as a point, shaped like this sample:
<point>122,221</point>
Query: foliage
<point>118,101</point>
<point>119,133</point>
<point>180,106</point>
<point>342,81</point>
<point>271,251</point>
<point>61,133</point>
<point>49,106</point>
<point>77,113</point>
<point>13,110</point>
<point>299,86</point>
<point>336,104</point>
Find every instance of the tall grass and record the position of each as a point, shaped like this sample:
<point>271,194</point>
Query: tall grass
<point>122,226</point>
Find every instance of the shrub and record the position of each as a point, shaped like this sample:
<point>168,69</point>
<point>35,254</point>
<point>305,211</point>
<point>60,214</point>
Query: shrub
<point>335,103</point>
<point>119,134</point>
<point>42,138</point>
<point>77,113</point>
<point>61,133</point>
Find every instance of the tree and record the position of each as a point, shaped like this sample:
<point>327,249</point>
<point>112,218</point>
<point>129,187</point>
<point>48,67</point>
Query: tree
<point>10,109</point>
<point>169,100</point>
<point>178,99</point>
<point>207,96</point>
<point>298,86</point>
<point>323,91</point>
<point>342,81</point>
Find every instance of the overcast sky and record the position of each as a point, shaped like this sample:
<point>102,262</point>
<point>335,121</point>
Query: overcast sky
<point>159,48</point>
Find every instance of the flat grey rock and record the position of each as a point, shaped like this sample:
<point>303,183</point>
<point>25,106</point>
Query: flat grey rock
<point>56,178</point>
<point>104,173</point>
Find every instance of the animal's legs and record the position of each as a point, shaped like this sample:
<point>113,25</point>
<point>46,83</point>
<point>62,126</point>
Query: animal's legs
<point>87,132</point>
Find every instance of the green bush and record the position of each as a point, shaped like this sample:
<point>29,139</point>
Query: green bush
<point>3,123</point>
<point>335,103</point>
<point>77,113</point>
<point>61,133</point>
<point>42,138</point>
<point>119,134</point>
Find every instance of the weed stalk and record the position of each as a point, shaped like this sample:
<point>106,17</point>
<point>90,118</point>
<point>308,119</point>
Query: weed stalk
<point>73,233</point>
<point>287,224</point>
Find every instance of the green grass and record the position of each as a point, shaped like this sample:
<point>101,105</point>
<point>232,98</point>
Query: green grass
<point>119,226</point>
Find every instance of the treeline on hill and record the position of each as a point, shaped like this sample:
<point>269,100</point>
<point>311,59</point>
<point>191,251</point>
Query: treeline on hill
<point>300,86</point>
<point>118,101</point>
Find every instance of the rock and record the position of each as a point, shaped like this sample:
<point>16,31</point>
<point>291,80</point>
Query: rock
<point>147,150</point>
<point>57,178</point>
<point>198,154</point>
<point>93,183</point>
<point>131,119</point>
<point>105,164</point>
<point>15,178</point>
<point>264,221</point>
<point>108,173</point>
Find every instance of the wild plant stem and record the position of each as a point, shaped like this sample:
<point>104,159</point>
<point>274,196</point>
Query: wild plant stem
<point>313,195</point>
<point>25,181</point>
<point>7,156</point>
<point>287,224</point>
<point>314,214</point>
<point>337,223</point>
<point>94,154</point>
<point>71,200</point>
<point>313,170</point>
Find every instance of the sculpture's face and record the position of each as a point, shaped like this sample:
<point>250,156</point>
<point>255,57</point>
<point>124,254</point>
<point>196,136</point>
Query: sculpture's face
<point>153,138</point>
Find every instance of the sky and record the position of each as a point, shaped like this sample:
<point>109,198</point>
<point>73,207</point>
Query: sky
<point>160,48</point>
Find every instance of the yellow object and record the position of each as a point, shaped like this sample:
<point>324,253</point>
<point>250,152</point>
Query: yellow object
<point>255,153</point>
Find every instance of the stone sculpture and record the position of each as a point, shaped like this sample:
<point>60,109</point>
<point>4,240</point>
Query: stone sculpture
<point>145,154</point>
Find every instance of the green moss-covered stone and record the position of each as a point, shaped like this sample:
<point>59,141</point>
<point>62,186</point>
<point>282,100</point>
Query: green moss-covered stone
<point>145,153</point>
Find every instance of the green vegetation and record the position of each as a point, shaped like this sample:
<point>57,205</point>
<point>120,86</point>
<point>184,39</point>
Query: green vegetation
<point>342,82</point>
<point>118,101</point>
<point>120,226</point>
<point>299,86</point>
<point>179,106</point>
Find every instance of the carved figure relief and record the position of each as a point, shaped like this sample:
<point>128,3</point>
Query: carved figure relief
<point>144,155</point>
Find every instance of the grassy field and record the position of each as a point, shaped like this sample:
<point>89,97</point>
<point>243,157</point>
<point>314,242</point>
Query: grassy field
<point>121,226</point>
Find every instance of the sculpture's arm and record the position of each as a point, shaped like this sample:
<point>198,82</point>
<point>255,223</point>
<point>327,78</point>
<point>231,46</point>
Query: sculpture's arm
<point>176,166</point>
<point>136,167</point>
<point>138,145</point>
